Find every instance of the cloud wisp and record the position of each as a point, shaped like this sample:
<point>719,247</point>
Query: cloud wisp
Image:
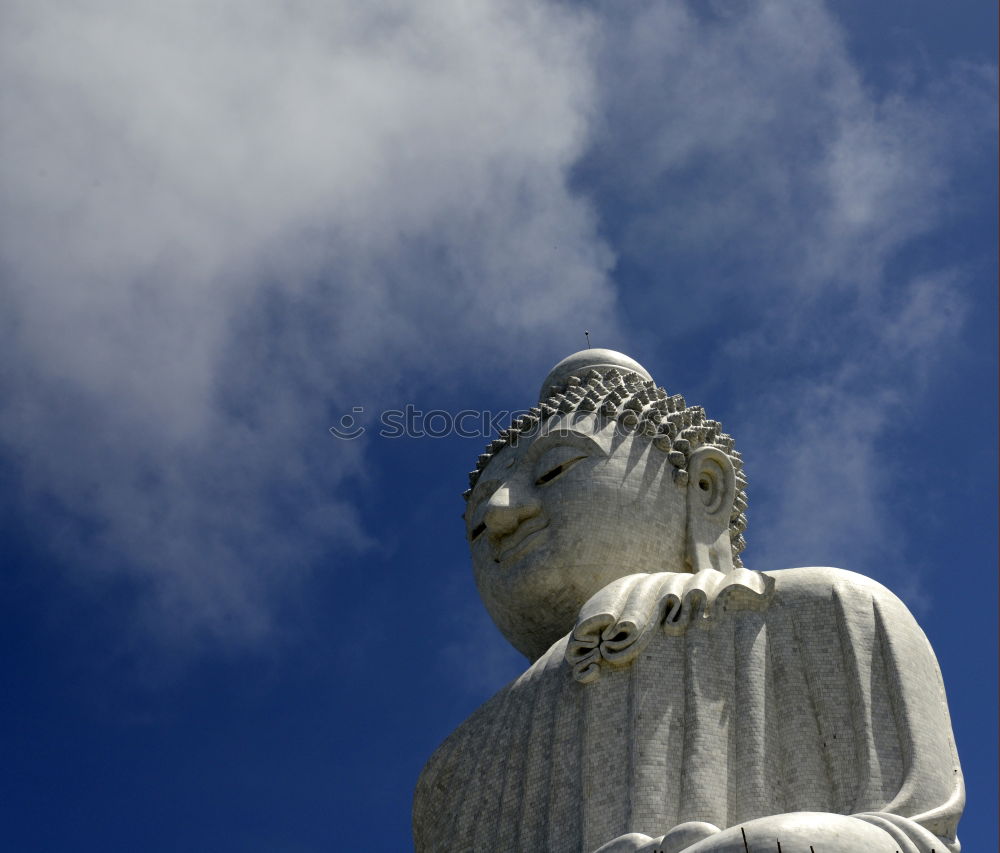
<point>222,224</point>
<point>222,221</point>
<point>761,194</point>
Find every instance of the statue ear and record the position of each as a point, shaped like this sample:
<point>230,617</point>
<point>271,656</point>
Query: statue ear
<point>711,492</point>
<point>711,482</point>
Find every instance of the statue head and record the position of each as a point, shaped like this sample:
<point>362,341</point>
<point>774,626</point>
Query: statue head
<point>607,476</point>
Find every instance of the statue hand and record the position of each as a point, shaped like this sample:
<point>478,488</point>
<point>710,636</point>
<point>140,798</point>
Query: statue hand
<point>830,833</point>
<point>633,842</point>
<point>678,840</point>
<point>685,835</point>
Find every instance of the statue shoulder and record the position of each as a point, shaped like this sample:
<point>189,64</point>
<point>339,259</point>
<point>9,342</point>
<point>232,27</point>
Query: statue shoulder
<point>855,596</point>
<point>810,582</point>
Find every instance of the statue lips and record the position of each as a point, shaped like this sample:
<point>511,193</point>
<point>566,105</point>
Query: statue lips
<point>524,535</point>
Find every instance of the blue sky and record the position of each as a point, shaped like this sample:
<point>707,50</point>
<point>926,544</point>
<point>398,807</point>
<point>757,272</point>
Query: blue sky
<point>223,225</point>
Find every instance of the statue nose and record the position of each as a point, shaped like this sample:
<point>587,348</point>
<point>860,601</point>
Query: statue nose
<point>506,510</point>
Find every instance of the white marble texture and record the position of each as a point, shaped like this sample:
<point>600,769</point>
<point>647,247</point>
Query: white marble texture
<point>676,700</point>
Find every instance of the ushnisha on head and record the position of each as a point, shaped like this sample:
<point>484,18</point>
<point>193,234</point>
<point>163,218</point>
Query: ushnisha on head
<point>607,476</point>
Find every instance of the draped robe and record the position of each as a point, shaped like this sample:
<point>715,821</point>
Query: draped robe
<point>695,698</point>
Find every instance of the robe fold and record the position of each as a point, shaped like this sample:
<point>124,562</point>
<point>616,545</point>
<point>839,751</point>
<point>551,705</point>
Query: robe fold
<point>681,700</point>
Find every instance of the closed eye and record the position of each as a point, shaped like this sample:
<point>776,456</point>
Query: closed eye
<point>477,531</point>
<point>559,470</point>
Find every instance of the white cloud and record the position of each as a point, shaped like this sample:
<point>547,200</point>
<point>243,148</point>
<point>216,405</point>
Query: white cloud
<point>741,143</point>
<point>222,221</point>
<point>823,450</point>
<point>764,188</point>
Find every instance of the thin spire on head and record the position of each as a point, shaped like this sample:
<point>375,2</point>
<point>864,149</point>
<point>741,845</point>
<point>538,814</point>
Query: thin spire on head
<point>586,334</point>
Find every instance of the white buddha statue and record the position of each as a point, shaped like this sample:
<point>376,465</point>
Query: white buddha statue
<point>676,701</point>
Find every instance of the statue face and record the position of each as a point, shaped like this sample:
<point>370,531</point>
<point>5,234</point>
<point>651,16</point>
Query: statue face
<point>556,518</point>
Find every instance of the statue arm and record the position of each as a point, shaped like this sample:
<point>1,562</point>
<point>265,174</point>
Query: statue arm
<point>922,814</point>
<point>925,810</point>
